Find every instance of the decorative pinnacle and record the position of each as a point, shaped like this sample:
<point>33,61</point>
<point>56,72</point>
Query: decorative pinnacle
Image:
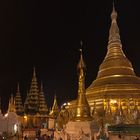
<point>113,5</point>
<point>82,106</point>
<point>114,14</point>
<point>34,72</point>
<point>114,35</point>
<point>55,107</point>
<point>34,75</point>
<point>81,43</point>
<point>55,97</point>
<point>81,72</point>
<point>81,64</point>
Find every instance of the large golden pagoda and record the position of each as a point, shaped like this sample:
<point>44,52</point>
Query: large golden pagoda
<point>116,89</point>
<point>116,84</point>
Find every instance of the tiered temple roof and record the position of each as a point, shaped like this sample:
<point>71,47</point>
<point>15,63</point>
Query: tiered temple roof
<point>18,102</point>
<point>43,109</point>
<point>33,97</point>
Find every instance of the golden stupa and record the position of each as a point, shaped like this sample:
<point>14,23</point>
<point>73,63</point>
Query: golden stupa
<point>116,90</point>
<point>116,78</point>
<point>82,112</point>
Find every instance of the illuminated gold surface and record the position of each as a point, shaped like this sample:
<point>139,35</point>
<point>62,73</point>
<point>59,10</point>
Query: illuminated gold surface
<point>11,107</point>
<point>116,78</point>
<point>116,90</point>
<point>55,110</point>
<point>82,107</point>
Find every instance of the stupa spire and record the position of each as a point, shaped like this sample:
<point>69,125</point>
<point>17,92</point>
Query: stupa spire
<point>55,110</point>
<point>114,41</point>
<point>33,97</point>
<point>18,102</point>
<point>81,69</point>
<point>114,33</point>
<point>115,62</point>
<point>34,75</point>
<point>11,107</point>
<point>55,105</point>
<point>82,106</point>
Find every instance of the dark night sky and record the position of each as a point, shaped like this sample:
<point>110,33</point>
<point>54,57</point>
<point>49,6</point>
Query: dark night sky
<point>46,34</point>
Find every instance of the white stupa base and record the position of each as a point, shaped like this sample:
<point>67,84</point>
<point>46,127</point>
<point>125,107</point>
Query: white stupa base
<point>79,130</point>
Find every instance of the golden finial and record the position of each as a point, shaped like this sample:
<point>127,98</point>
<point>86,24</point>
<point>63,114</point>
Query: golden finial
<point>55,106</point>
<point>114,13</point>
<point>34,74</point>
<point>114,35</point>
<point>55,110</point>
<point>113,5</point>
<point>81,64</point>
<point>81,44</point>
<point>81,70</point>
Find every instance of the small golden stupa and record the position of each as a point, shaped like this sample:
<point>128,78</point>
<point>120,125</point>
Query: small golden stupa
<point>82,112</point>
<point>55,110</point>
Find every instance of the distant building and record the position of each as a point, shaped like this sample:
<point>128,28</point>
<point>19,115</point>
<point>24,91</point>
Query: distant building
<point>33,114</point>
<point>35,107</point>
<point>9,123</point>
